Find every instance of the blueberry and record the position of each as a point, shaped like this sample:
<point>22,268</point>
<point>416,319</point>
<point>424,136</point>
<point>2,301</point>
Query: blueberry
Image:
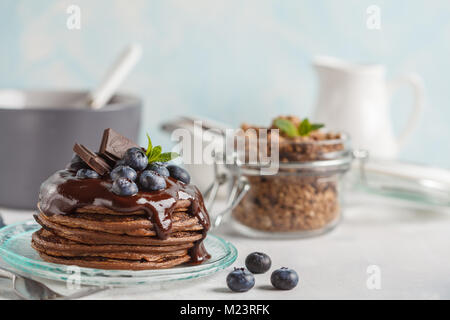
<point>87,174</point>
<point>158,168</point>
<point>162,164</point>
<point>240,280</point>
<point>120,162</point>
<point>151,181</point>
<point>284,279</point>
<point>76,164</point>
<point>123,172</point>
<point>135,158</point>
<point>258,262</point>
<point>179,173</point>
<point>124,187</point>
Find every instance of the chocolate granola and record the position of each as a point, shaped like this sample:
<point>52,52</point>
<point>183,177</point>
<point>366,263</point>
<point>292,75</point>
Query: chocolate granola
<point>294,200</point>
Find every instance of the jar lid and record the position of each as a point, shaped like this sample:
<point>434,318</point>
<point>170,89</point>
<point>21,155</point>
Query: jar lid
<point>300,157</point>
<point>340,164</point>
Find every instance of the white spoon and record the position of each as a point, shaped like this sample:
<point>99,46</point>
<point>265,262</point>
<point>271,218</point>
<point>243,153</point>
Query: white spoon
<point>115,76</point>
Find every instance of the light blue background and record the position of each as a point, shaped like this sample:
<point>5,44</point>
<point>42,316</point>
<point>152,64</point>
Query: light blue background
<point>233,60</point>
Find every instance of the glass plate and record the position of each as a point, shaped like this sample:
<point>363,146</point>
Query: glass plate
<point>16,251</point>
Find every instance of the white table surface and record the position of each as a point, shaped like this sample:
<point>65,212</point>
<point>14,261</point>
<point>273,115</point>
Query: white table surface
<point>410,245</point>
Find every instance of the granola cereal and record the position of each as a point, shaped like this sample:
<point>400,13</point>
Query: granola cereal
<point>294,200</point>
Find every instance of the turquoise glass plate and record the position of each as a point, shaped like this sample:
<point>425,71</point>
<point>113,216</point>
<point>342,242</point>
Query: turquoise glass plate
<point>18,256</point>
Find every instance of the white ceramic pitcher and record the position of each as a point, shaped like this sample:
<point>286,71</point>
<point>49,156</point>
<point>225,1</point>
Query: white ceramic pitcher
<point>355,98</point>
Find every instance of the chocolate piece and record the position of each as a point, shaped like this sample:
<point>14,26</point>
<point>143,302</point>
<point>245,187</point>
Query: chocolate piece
<point>109,159</point>
<point>95,162</point>
<point>114,145</point>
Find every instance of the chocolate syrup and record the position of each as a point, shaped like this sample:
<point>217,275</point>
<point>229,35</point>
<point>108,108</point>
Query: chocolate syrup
<point>63,193</point>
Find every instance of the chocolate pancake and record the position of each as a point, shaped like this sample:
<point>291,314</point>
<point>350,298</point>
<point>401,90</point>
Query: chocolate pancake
<point>64,193</point>
<point>46,239</point>
<point>126,255</point>
<point>97,237</point>
<point>130,225</point>
<point>180,205</point>
<point>116,264</point>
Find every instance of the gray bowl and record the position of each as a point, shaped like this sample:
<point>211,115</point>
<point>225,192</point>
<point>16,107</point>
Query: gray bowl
<point>38,130</point>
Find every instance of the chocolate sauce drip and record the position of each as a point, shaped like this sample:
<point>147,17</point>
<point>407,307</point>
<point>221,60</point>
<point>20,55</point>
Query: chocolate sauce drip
<point>64,193</point>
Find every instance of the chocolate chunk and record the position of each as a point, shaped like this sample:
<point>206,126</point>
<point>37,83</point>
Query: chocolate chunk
<point>94,161</point>
<point>110,160</point>
<point>114,145</point>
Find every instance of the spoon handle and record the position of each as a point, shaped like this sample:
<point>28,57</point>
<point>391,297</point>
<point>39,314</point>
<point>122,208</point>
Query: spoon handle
<point>121,68</point>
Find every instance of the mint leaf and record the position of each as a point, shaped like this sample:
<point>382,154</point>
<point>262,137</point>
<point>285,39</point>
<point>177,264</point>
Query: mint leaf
<point>149,147</point>
<point>305,127</point>
<point>154,155</point>
<point>316,126</point>
<point>167,156</point>
<point>286,127</point>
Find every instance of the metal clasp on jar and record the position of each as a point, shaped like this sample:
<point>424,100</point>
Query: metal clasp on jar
<point>239,188</point>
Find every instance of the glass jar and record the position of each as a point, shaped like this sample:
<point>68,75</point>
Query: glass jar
<point>302,199</point>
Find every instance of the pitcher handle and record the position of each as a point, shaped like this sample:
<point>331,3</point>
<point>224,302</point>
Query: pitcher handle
<point>415,82</point>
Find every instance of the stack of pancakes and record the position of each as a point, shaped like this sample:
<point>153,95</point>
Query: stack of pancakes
<point>98,237</point>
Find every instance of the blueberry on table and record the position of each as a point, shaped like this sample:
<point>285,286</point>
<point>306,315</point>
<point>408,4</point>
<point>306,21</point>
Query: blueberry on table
<point>135,158</point>
<point>258,262</point>
<point>158,168</point>
<point>151,181</point>
<point>87,174</point>
<point>179,173</point>
<point>240,280</point>
<point>124,187</point>
<point>123,172</point>
<point>284,279</point>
